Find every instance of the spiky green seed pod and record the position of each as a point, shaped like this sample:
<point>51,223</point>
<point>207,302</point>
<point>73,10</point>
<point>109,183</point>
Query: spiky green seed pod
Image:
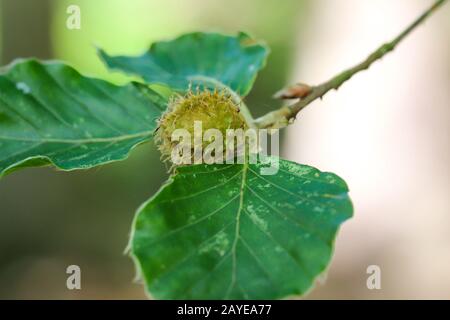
<point>215,109</point>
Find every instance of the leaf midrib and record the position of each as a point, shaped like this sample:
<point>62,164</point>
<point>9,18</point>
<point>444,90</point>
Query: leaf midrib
<point>237,228</point>
<point>80,141</point>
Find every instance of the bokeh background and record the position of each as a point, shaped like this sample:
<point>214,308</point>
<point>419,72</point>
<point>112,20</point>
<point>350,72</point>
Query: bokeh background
<point>386,132</point>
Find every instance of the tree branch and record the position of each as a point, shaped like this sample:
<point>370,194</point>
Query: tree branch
<point>281,117</point>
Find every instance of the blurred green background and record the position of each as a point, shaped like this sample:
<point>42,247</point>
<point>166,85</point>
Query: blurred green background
<point>51,219</point>
<point>386,132</point>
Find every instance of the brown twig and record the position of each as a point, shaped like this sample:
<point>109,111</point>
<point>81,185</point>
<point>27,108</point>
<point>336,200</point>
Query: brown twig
<point>281,117</point>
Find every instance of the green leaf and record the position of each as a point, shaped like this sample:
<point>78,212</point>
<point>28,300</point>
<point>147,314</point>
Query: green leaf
<point>205,59</point>
<point>228,232</point>
<point>50,114</point>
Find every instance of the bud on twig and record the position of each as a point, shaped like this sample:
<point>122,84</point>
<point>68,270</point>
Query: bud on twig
<point>296,91</point>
